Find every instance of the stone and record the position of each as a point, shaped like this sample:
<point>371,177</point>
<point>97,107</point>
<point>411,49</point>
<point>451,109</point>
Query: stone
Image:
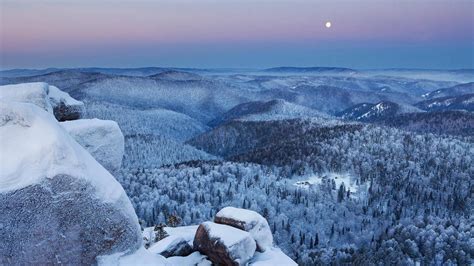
<point>224,245</point>
<point>103,139</point>
<point>248,221</point>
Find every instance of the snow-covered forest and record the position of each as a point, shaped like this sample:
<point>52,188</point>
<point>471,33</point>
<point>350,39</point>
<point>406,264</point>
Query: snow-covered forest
<point>347,167</point>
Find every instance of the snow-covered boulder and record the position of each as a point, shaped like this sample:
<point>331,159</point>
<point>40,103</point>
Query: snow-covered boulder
<point>272,256</point>
<point>103,139</point>
<point>195,259</point>
<point>249,221</point>
<point>137,258</point>
<point>172,246</point>
<point>49,98</point>
<point>224,244</point>
<point>57,204</point>
<point>64,106</point>
<point>35,93</point>
<point>187,232</point>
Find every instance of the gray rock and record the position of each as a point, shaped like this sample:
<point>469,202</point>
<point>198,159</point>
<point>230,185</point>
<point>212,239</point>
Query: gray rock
<point>64,106</point>
<point>224,245</point>
<point>57,204</point>
<point>249,221</point>
<point>172,246</point>
<point>60,221</point>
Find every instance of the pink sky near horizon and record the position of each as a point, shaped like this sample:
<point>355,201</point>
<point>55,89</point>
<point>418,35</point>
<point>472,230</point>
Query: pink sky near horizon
<point>55,26</point>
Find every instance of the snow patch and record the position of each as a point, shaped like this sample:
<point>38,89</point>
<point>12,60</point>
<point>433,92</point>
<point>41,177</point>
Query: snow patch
<point>195,258</point>
<point>271,257</point>
<point>140,257</point>
<point>165,244</point>
<point>338,178</point>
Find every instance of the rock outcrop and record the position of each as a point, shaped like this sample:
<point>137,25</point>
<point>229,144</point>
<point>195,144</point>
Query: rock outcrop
<point>57,204</point>
<point>103,139</point>
<point>227,243</point>
<point>224,244</point>
<point>172,246</point>
<point>64,106</point>
<point>249,221</point>
<point>49,98</point>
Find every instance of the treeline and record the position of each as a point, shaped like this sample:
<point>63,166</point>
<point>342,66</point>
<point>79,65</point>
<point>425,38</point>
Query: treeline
<point>412,203</point>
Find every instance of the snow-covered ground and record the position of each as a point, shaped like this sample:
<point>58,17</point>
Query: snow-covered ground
<point>338,178</point>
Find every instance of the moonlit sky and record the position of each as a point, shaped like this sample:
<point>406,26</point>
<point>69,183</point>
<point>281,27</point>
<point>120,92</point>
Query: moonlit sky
<point>237,33</point>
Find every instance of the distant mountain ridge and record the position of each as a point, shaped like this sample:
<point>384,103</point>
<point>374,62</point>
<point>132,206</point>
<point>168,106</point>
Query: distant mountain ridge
<point>341,70</point>
<point>465,88</point>
<point>176,75</point>
<point>367,112</point>
<point>445,122</point>
<point>265,111</point>
<point>461,102</point>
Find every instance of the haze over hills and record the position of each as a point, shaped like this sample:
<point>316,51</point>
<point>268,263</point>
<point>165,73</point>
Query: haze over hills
<point>346,165</point>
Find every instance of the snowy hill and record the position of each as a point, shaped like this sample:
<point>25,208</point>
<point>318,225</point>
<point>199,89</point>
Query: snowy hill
<point>461,102</point>
<point>153,137</point>
<point>446,122</point>
<point>265,111</point>
<point>467,88</point>
<point>366,112</point>
<point>176,75</point>
<point>64,79</point>
<point>456,75</point>
<point>313,70</point>
<point>237,137</point>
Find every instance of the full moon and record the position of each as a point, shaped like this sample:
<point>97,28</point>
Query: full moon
<point>328,24</point>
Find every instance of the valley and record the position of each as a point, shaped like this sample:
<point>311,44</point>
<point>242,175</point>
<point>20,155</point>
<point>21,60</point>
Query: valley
<point>347,166</point>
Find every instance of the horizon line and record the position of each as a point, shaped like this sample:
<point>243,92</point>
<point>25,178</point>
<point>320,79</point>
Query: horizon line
<point>235,68</point>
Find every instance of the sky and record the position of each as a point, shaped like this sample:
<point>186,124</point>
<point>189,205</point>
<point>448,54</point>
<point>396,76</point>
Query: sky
<point>365,34</point>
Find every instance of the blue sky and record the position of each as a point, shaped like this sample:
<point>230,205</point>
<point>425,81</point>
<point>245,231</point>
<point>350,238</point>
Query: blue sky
<point>237,33</point>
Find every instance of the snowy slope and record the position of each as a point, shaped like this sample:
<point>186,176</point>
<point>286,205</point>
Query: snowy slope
<point>266,111</point>
<point>367,112</point>
<point>466,88</point>
<point>461,102</point>
<point>176,76</point>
